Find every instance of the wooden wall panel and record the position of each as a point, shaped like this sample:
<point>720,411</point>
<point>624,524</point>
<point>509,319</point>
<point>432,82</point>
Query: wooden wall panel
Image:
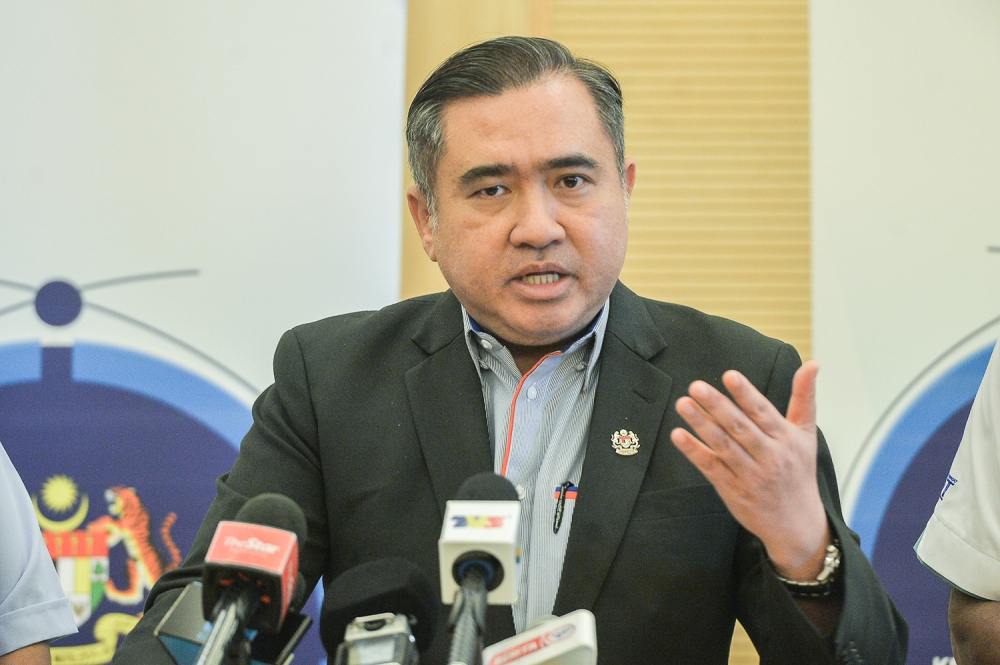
<point>717,116</point>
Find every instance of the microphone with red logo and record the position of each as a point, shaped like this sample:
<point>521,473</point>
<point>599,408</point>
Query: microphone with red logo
<point>478,552</point>
<point>565,640</point>
<point>250,575</point>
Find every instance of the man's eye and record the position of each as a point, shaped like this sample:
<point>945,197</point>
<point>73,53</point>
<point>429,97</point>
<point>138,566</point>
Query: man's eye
<point>495,190</point>
<point>572,181</point>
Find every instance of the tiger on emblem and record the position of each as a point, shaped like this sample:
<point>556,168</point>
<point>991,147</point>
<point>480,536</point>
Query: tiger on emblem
<point>128,523</point>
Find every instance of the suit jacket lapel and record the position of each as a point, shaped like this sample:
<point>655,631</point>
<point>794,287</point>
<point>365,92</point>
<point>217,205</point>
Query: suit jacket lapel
<point>446,400</point>
<point>632,394</point>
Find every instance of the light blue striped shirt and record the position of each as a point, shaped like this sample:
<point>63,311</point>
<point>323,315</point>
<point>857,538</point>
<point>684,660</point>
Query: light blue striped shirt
<point>549,412</point>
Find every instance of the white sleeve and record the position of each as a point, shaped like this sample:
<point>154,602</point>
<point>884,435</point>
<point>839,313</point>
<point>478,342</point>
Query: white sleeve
<point>961,542</point>
<point>33,607</point>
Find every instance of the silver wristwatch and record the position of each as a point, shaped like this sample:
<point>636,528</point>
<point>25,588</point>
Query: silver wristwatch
<point>826,580</point>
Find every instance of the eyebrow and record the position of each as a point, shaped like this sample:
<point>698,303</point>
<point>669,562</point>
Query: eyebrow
<point>485,171</point>
<point>573,161</point>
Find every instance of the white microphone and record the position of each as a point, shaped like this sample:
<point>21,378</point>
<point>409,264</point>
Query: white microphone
<point>478,557</point>
<point>566,640</point>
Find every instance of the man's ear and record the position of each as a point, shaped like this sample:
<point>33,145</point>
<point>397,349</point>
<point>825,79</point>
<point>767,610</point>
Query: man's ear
<point>629,176</point>
<point>421,214</point>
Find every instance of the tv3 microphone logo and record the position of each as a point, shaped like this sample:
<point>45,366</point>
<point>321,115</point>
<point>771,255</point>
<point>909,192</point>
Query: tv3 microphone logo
<point>478,521</point>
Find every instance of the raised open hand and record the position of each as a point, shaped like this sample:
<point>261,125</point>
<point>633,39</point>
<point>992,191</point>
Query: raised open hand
<point>762,464</point>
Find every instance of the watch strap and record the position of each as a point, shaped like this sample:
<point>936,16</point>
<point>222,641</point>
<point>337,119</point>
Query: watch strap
<point>824,583</point>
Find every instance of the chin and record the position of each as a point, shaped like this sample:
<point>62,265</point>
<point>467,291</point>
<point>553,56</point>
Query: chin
<point>536,336</point>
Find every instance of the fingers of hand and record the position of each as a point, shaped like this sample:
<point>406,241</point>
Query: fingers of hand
<point>737,489</point>
<point>724,421</point>
<point>802,404</point>
<point>728,451</point>
<point>754,405</point>
<point>762,464</point>
<point>705,459</point>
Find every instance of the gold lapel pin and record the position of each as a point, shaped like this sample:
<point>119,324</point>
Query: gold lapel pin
<point>625,442</point>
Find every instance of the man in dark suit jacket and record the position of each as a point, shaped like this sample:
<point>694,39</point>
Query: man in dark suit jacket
<point>375,419</point>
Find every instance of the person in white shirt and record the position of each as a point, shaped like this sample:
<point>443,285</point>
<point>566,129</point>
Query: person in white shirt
<point>961,542</point>
<point>33,606</point>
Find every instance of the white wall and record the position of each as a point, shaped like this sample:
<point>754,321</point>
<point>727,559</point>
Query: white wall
<point>906,196</point>
<point>258,142</point>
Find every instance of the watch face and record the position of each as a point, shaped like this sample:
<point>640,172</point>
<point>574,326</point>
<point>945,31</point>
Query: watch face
<point>831,562</point>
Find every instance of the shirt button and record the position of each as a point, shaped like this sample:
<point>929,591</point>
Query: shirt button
<point>485,344</point>
<point>580,367</point>
<point>532,392</point>
<point>521,493</point>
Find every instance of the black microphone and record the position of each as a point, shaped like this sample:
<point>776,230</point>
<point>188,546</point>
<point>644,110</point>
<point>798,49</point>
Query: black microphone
<point>379,612</point>
<point>250,575</point>
<point>477,552</point>
<point>300,596</point>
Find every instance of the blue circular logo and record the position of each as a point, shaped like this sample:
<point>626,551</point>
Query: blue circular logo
<point>119,451</point>
<point>898,476</point>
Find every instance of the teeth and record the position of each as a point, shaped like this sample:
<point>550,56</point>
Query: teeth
<point>546,278</point>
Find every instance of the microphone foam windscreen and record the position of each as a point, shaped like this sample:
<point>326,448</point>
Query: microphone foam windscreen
<point>274,510</point>
<point>486,486</point>
<point>299,597</point>
<point>392,584</point>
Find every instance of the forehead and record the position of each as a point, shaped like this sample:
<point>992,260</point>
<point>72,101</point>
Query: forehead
<point>553,117</point>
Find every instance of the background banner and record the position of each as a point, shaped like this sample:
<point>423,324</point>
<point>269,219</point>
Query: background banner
<point>179,183</point>
<point>906,264</point>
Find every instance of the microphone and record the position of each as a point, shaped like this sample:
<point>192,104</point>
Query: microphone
<point>566,640</point>
<point>250,575</point>
<point>478,557</point>
<point>183,630</point>
<point>370,610</point>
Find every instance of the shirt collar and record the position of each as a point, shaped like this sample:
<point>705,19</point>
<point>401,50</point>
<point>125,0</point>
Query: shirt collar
<point>595,332</point>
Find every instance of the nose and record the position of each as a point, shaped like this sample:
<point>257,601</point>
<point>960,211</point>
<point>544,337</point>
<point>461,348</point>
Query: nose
<point>536,222</point>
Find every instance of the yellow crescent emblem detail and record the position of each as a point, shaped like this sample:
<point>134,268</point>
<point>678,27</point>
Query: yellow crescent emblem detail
<point>65,525</point>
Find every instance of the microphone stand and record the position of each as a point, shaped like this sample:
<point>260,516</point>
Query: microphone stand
<point>227,644</point>
<point>468,619</point>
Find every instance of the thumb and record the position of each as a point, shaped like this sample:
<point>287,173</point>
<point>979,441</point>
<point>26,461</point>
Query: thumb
<point>802,404</point>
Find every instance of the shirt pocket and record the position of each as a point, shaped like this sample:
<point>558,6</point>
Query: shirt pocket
<point>691,501</point>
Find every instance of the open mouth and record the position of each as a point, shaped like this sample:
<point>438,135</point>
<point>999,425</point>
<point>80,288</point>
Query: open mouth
<point>541,278</point>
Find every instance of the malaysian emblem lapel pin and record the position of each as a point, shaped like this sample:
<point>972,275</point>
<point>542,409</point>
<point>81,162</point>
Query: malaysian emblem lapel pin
<point>625,442</point>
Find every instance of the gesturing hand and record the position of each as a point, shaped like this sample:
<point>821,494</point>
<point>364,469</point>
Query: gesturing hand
<point>762,464</point>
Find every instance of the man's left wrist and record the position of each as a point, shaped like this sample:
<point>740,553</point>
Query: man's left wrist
<point>801,558</point>
<point>825,582</point>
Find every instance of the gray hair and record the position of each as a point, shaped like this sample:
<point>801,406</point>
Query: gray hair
<point>490,69</point>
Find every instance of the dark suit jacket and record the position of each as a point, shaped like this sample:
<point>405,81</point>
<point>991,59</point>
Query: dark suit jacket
<point>376,418</point>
